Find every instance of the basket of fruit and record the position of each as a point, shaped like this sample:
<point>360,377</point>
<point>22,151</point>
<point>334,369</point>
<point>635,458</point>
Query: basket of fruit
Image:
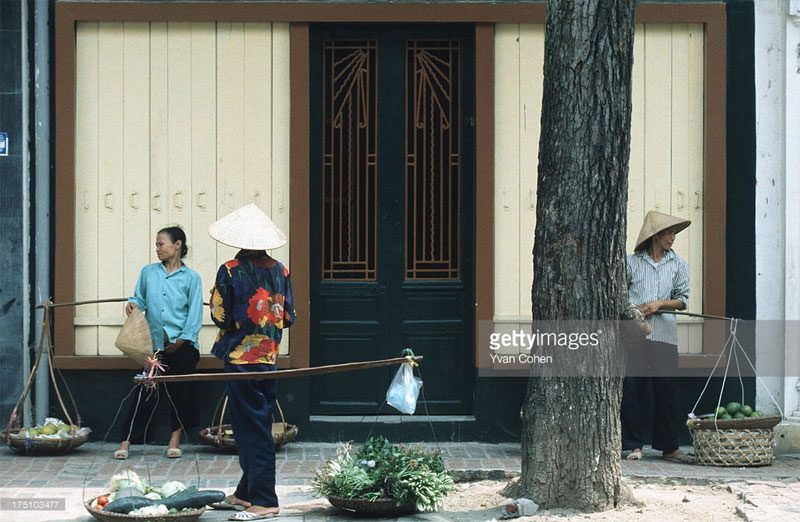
<point>734,435</point>
<point>131,498</point>
<point>54,437</point>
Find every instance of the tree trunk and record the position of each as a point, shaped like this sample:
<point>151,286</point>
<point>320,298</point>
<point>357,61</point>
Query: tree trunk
<point>571,428</point>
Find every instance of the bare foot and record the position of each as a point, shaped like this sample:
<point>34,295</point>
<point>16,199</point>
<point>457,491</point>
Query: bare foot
<point>231,499</point>
<point>635,454</point>
<point>678,456</point>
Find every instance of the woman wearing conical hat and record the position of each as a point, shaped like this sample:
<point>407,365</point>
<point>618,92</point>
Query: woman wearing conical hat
<point>658,280</point>
<point>252,304</point>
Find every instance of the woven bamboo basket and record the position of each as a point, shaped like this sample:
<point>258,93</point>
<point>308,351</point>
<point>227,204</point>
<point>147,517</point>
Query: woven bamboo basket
<point>221,436</point>
<point>37,446</point>
<point>738,442</point>
<point>383,507</point>
<point>181,516</point>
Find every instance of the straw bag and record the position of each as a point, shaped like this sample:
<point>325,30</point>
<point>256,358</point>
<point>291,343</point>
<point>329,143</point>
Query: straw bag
<point>134,338</point>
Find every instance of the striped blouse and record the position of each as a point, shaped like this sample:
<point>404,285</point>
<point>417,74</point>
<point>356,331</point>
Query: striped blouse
<point>650,281</point>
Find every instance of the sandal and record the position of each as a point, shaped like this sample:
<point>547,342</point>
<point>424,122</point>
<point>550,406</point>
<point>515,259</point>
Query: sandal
<point>681,458</point>
<point>174,453</point>
<point>248,515</point>
<point>635,454</point>
<point>121,454</point>
<point>229,504</point>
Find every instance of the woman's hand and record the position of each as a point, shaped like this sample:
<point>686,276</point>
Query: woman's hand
<point>650,308</point>
<point>171,347</point>
<point>129,308</point>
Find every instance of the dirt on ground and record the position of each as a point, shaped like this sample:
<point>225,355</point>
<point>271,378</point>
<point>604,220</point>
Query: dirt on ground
<point>479,501</point>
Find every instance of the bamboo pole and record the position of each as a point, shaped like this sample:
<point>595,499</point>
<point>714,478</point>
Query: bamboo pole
<point>693,314</point>
<point>278,374</point>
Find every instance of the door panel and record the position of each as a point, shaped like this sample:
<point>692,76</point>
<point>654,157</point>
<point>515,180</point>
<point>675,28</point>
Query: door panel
<point>391,216</point>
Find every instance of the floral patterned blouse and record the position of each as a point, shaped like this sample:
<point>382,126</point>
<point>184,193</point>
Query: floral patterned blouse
<point>252,303</point>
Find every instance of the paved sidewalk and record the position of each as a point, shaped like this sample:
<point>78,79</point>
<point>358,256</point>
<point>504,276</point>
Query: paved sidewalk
<point>86,471</point>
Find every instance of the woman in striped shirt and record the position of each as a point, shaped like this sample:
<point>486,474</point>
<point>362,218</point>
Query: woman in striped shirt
<point>658,280</point>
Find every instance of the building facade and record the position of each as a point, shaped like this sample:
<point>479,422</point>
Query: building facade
<point>396,145</point>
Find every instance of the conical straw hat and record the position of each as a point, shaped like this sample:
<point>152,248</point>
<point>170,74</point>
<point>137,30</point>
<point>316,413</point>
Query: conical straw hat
<point>655,222</point>
<point>134,338</point>
<point>248,228</point>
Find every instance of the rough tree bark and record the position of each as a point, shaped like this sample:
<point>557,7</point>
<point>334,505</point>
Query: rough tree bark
<point>571,428</point>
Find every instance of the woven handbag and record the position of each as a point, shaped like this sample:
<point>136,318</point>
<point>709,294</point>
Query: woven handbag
<point>134,338</point>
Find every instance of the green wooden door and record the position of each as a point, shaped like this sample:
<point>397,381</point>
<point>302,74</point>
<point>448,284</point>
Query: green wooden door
<point>392,148</point>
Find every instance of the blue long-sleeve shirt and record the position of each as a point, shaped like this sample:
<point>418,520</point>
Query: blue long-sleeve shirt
<point>650,281</point>
<point>172,303</point>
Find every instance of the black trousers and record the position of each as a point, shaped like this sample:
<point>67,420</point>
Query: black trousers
<point>179,396</point>
<point>648,396</point>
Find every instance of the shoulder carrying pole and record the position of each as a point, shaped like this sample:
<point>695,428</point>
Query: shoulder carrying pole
<point>279,374</point>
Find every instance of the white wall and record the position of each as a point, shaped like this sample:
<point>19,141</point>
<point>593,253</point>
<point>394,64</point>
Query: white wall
<point>777,81</point>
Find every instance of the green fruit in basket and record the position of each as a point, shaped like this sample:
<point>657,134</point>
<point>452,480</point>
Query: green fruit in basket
<point>747,410</point>
<point>757,413</point>
<point>733,408</point>
<point>725,417</point>
<point>721,411</point>
<point>740,415</point>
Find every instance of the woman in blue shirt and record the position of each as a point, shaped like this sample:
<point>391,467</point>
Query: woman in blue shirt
<point>170,295</point>
<point>658,280</point>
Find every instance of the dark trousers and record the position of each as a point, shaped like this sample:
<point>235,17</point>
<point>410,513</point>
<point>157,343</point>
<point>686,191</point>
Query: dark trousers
<point>651,365</point>
<point>179,396</point>
<point>251,403</point>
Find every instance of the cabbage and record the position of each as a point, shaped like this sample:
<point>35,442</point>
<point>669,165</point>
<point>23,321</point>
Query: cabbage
<point>127,479</point>
<point>172,487</point>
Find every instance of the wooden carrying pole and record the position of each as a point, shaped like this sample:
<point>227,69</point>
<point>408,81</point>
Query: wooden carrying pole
<point>278,374</point>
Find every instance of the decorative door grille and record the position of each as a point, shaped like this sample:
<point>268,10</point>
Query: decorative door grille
<point>432,159</point>
<point>349,220</point>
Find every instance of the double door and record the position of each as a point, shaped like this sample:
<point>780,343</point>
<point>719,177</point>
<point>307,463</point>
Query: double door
<point>392,148</point>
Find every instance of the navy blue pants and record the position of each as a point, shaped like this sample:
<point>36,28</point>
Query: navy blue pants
<point>648,397</point>
<point>250,403</point>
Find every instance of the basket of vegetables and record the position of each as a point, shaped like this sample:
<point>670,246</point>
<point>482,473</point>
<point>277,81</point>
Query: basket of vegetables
<point>53,437</point>
<point>734,435</point>
<point>221,435</point>
<point>383,479</point>
<point>130,498</point>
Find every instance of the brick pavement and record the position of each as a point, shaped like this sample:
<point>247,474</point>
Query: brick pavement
<point>87,469</point>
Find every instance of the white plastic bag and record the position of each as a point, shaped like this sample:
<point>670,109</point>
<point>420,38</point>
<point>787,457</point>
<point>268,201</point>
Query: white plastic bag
<point>404,390</point>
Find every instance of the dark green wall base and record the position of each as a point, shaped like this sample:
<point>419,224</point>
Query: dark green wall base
<point>99,395</point>
<point>496,418</point>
